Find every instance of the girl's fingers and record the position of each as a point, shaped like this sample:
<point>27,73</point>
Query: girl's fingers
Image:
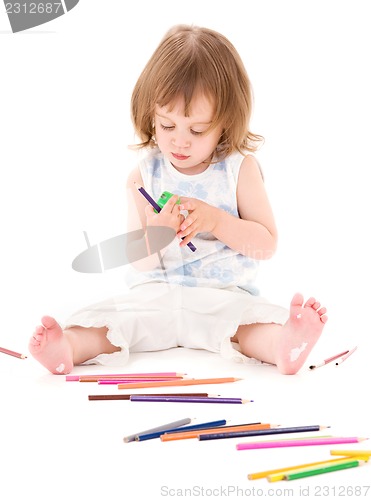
<point>169,206</point>
<point>186,223</point>
<point>187,203</point>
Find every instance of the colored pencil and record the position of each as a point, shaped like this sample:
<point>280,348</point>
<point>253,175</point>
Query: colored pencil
<point>186,399</point>
<point>152,202</point>
<point>113,397</point>
<point>170,425</point>
<point>328,360</point>
<point>12,353</point>
<point>191,428</point>
<point>351,453</point>
<point>299,474</point>
<point>98,376</point>
<point>281,475</point>
<point>297,442</point>
<point>184,434</point>
<point>262,432</point>
<point>144,385</point>
<point>113,381</point>
<point>272,473</point>
<point>344,358</point>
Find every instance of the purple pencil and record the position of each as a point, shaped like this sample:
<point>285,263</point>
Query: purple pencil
<point>187,399</point>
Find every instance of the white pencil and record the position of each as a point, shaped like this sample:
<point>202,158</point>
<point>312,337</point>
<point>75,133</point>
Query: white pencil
<point>346,356</point>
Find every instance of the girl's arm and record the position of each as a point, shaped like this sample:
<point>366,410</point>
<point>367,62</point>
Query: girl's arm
<point>253,233</point>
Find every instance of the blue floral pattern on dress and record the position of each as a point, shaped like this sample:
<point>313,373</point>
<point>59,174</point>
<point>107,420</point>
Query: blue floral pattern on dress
<point>213,264</point>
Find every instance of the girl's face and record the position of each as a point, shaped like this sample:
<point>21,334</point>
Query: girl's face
<point>187,141</point>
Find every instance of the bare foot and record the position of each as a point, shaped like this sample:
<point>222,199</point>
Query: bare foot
<point>51,347</point>
<point>299,334</point>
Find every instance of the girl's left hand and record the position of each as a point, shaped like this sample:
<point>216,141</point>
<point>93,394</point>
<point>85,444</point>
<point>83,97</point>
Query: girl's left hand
<point>202,217</point>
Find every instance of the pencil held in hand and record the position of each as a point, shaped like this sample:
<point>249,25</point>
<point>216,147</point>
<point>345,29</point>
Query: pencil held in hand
<point>157,207</point>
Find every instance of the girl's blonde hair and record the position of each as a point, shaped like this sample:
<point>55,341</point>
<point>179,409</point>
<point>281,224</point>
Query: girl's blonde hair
<point>191,59</point>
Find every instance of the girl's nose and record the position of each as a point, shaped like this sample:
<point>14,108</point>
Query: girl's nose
<point>180,140</point>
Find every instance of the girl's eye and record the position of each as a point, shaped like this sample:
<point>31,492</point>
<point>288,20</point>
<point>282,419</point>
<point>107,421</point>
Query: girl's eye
<point>168,128</point>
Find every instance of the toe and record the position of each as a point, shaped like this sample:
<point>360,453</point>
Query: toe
<point>297,300</point>
<point>34,342</point>
<point>310,302</point>
<point>48,321</point>
<point>322,311</point>
<point>39,330</point>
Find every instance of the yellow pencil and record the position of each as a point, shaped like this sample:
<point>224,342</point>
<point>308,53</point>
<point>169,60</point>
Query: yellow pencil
<point>351,453</point>
<point>282,470</point>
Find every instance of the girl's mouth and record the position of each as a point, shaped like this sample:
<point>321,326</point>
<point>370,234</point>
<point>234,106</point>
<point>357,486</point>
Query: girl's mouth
<point>180,157</point>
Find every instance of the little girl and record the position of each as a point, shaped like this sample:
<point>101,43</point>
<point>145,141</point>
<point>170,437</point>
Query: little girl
<point>191,109</point>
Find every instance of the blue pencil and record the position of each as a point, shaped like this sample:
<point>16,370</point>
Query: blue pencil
<point>205,425</point>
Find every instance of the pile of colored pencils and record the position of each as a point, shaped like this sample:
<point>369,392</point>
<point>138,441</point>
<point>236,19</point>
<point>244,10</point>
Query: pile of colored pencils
<point>153,380</point>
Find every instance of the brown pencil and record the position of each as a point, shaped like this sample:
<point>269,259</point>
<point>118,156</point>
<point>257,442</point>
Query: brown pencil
<point>12,353</point>
<point>104,397</point>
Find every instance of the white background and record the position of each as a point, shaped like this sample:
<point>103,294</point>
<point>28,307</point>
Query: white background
<point>65,128</point>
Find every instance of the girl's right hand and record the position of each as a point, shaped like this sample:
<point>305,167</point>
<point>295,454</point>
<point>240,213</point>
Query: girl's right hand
<point>169,216</point>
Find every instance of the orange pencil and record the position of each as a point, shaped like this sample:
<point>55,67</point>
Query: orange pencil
<point>173,436</point>
<point>200,381</point>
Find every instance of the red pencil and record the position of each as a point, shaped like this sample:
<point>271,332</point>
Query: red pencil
<point>12,353</point>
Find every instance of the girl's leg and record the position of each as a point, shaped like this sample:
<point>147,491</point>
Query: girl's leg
<point>60,350</point>
<point>289,345</point>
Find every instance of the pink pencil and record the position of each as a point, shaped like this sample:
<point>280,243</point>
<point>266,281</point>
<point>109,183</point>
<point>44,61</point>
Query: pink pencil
<point>76,378</point>
<point>112,381</point>
<point>297,442</point>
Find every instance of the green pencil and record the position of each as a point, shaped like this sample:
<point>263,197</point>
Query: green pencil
<point>322,470</point>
